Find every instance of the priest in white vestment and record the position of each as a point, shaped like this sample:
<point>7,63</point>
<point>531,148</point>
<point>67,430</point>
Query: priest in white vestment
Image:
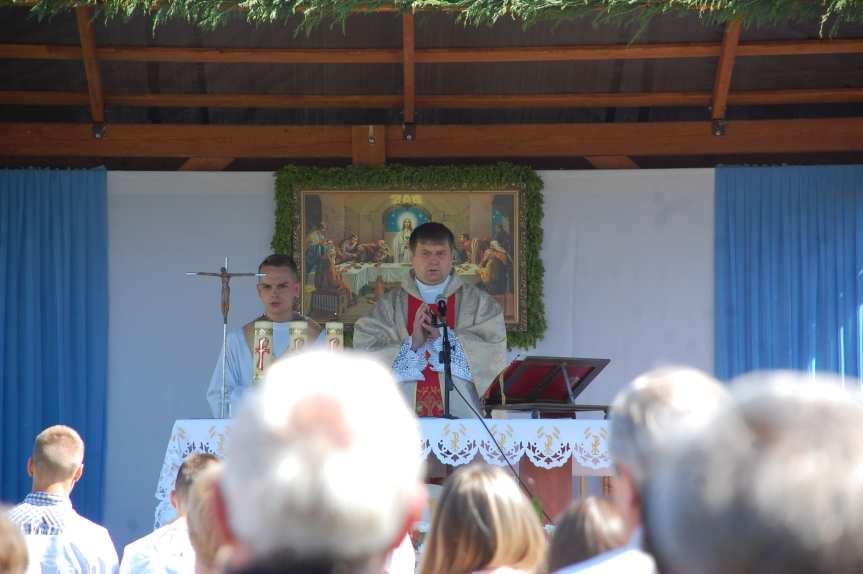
<point>277,290</point>
<point>399,329</point>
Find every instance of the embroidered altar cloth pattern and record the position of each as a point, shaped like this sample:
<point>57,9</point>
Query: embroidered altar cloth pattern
<point>547,443</point>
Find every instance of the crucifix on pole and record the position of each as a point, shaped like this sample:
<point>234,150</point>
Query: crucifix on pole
<point>225,276</point>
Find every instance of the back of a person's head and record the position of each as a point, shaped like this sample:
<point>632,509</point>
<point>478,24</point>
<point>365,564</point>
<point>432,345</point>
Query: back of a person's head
<point>651,408</point>
<point>323,461</point>
<point>58,452</point>
<point>590,526</point>
<point>191,468</point>
<point>204,533</point>
<point>773,485</point>
<point>483,521</point>
<point>13,550</point>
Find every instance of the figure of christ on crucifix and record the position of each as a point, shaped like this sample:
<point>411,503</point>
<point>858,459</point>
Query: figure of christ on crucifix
<point>277,288</point>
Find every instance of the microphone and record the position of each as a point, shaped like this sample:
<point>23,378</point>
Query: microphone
<point>440,302</point>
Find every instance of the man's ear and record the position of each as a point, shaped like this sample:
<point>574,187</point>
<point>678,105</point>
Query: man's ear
<point>223,524</point>
<point>626,496</point>
<point>415,512</point>
<point>78,473</point>
<point>30,467</point>
<point>174,499</point>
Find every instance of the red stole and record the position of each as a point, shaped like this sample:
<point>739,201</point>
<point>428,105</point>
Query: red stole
<point>429,402</point>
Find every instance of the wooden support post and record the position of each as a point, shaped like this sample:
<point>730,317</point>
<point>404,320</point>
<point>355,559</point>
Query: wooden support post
<point>369,145</point>
<point>611,162</point>
<point>722,83</point>
<point>553,486</point>
<point>408,66</point>
<point>84,15</point>
<point>206,163</point>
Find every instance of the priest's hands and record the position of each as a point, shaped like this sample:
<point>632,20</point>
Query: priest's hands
<point>423,329</point>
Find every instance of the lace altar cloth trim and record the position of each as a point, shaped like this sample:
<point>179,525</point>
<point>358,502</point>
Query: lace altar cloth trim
<point>547,443</point>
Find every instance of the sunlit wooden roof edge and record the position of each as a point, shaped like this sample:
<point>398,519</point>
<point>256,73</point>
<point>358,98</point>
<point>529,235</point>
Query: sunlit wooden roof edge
<point>435,141</point>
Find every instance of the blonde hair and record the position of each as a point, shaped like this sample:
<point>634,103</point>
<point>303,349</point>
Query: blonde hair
<point>483,521</point>
<point>202,516</point>
<point>590,526</point>
<point>58,451</point>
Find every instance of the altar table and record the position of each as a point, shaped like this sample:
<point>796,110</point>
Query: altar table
<point>541,447</point>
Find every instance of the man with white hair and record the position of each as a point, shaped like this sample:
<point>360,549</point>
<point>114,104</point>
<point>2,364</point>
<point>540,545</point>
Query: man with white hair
<point>644,417</point>
<point>323,468</point>
<point>58,538</point>
<point>773,485</point>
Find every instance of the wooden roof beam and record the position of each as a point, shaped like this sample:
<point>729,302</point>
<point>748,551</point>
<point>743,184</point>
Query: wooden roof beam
<point>490,141</point>
<point>658,51</point>
<point>442,101</point>
<point>611,162</point>
<point>724,69</point>
<point>206,163</point>
<point>84,14</point>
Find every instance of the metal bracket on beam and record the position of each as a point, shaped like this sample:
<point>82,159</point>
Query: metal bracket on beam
<point>98,131</point>
<point>718,127</point>
<point>409,131</point>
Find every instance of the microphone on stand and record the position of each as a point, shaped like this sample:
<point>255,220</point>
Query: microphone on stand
<point>440,303</point>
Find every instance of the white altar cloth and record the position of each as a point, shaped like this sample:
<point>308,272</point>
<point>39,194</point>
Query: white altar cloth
<point>547,443</point>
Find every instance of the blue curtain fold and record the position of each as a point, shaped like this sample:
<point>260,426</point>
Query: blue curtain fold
<point>53,321</point>
<point>789,269</point>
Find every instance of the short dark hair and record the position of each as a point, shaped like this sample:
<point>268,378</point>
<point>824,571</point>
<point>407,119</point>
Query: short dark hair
<point>278,260</point>
<point>590,526</point>
<point>192,467</point>
<point>433,232</point>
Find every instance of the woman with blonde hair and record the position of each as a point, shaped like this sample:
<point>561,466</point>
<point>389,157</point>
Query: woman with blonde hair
<point>483,523</point>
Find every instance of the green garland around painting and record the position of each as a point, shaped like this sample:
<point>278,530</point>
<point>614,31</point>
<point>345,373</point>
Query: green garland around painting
<point>501,176</point>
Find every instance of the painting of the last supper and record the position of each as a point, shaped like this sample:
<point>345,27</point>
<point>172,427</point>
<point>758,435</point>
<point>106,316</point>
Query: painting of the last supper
<point>355,245</point>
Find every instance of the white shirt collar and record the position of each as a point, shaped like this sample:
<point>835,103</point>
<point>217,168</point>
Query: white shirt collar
<point>430,293</point>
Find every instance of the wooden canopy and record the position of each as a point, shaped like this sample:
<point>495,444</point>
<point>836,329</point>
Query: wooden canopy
<point>423,88</point>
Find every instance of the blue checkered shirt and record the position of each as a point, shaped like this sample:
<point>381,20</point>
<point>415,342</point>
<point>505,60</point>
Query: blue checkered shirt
<point>43,513</point>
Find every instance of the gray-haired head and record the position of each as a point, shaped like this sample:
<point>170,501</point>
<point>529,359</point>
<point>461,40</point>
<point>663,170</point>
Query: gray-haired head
<point>655,406</point>
<point>323,462</point>
<point>774,484</point>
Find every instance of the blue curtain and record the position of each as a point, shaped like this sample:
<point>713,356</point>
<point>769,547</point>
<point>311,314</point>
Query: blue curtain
<point>53,321</point>
<point>789,269</point>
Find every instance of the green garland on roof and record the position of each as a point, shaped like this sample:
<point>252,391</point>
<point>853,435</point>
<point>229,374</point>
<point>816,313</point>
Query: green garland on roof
<point>213,13</point>
<point>292,178</point>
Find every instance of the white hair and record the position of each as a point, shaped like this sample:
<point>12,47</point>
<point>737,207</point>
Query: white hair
<point>773,485</point>
<point>323,461</point>
<point>655,405</point>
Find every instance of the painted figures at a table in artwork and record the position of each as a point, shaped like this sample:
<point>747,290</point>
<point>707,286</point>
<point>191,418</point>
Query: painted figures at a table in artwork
<point>355,246</point>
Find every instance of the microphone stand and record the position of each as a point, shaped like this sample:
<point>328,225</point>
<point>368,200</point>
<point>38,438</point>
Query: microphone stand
<point>445,357</point>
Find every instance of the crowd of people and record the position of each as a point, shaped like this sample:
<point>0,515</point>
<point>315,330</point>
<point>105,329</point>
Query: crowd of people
<point>762,475</point>
<point>323,472</point>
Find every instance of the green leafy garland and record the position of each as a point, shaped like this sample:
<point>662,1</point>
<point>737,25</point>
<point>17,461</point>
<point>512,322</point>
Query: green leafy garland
<point>213,13</point>
<point>292,178</point>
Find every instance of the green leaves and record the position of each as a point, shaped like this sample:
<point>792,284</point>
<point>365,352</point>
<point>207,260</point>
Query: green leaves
<point>827,14</point>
